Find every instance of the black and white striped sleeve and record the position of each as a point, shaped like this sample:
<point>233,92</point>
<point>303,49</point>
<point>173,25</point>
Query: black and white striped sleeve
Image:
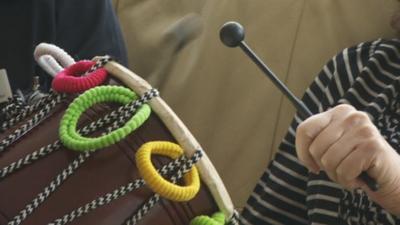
<point>280,195</point>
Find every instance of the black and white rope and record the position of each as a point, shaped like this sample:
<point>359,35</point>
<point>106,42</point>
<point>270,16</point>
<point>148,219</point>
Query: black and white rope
<point>41,197</point>
<point>118,117</point>
<point>48,190</point>
<point>117,193</point>
<point>235,219</point>
<point>143,210</point>
<point>42,101</point>
<point>13,105</point>
<point>146,207</point>
<point>179,166</point>
<point>28,159</point>
<point>100,62</point>
<point>19,113</point>
<point>37,118</point>
<point>126,113</point>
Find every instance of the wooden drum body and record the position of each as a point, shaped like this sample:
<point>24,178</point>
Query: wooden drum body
<point>105,170</point>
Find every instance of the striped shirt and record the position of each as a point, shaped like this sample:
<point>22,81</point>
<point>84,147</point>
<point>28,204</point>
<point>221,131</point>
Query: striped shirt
<point>367,77</point>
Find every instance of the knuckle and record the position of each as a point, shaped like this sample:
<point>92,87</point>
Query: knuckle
<point>340,173</point>
<point>341,176</point>
<point>367,132</point>
<point>363,116</point>
<point>303,130</point>
<point>371,145</point>
<point>327,164</point>
<point>355,118</point>
<point>343,108</point>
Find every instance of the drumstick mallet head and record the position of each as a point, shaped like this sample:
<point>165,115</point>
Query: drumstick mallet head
<point>232,35</point>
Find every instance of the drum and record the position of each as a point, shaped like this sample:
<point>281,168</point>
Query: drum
<point>44,181</point>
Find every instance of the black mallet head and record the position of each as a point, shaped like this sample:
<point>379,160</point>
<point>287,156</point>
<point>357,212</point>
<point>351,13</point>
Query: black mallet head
<point>231,34</point>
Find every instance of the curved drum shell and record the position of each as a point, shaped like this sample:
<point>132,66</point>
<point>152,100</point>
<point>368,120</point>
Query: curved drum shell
<point>104,171</point>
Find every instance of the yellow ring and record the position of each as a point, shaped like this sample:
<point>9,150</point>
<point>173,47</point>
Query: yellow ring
<point>156,182</point>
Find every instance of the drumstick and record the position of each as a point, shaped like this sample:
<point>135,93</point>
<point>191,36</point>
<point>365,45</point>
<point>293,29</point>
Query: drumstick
<point>232,35</point>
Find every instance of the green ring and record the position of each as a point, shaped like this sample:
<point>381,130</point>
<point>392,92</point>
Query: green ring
<point>68,125</point>
<point>216,219</point>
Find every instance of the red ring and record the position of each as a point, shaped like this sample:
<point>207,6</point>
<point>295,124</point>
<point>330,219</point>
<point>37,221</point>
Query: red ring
<point>70,81</point>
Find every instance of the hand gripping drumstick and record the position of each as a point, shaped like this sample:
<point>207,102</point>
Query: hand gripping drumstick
<point>232,35</point>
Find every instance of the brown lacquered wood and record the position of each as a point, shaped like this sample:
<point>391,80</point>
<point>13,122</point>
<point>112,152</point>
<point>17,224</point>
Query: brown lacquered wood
<point>106,170</point>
